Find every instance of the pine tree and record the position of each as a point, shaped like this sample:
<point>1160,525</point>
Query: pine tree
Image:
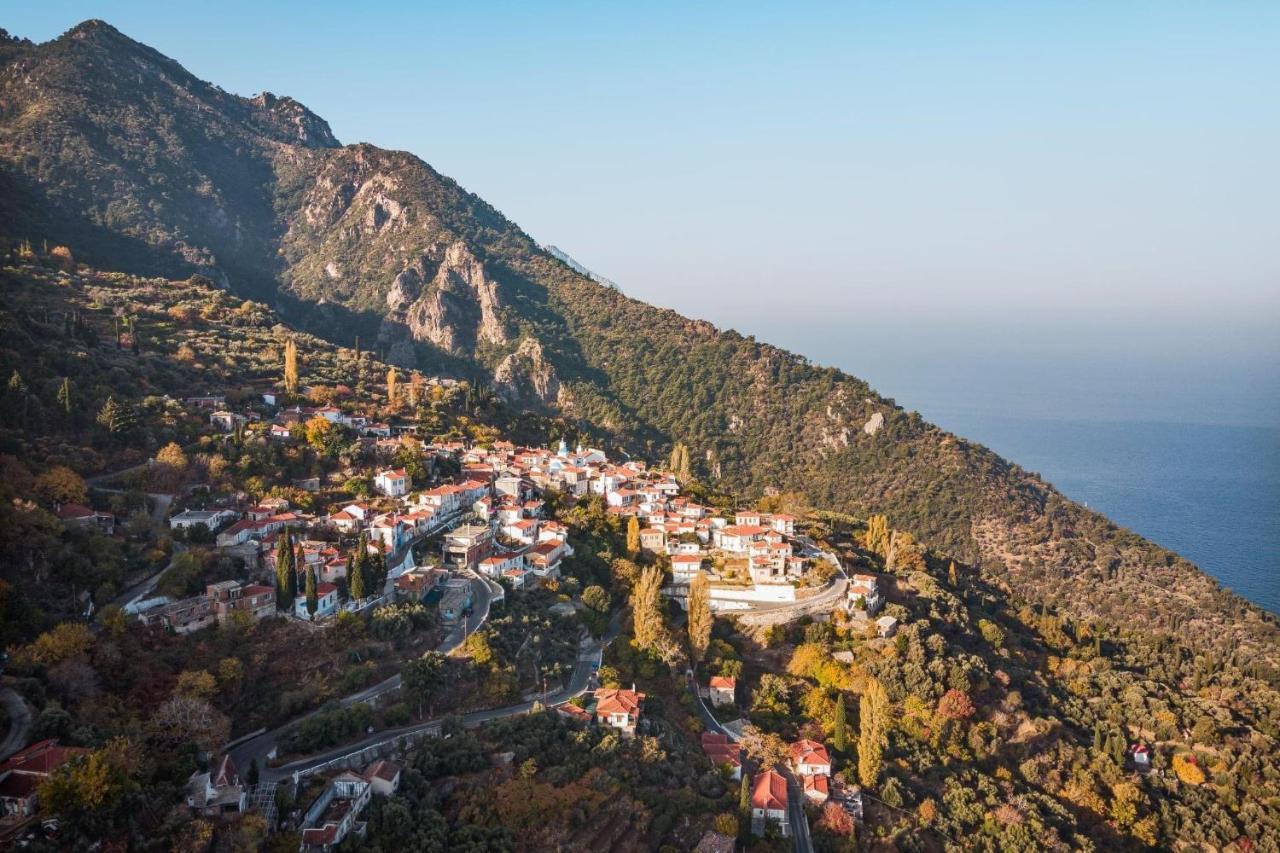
<point>286,575</point>
<point>840,731</point>
<point>699,617</point>
<point>313,600</point>
<point>115,417</point>
<point>873,710</point>
<point>290,366</point>
<point>356,579</point>
<point>633,536</point>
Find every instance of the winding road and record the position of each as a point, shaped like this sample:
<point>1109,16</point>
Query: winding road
<point>590,657</point>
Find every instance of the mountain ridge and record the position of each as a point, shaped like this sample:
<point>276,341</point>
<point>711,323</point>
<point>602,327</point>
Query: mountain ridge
<point>120,153</point>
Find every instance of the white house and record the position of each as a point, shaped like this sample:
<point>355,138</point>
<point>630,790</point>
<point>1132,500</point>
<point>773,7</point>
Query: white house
<point>685,567</point>
<point>619,709</point>
<point>722,690</point>
<point>326,602</point>
<point>809,758</point>
<point>769,802</point>
<point>212,519</point>
<point>394,482</point>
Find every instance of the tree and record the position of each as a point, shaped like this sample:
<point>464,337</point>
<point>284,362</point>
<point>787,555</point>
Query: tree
<point>290,366</point>
<point>286,574</point>
<point>744,805</point>
<point>356,582</point>
<point>596,598</point>
<point>116,418</point>
<point>319,431</point>
<point>873,711</point>
<point>633,536</point>
<point>1187,770</point>
<point>422,676</point>
<point>171,465</point>
<point>313,600</point>
<point>955,705</point>
<point>254,772</point>
<point>699,616</point>
<point>61,485</point>
<point>646,608</point>
<point>391,386</point>
<point>680,461</point>
<point>876,537</point>
<point>840,731</point>
<point>197,683</point>
<point>953,577</point>
<point>64,395</point>
<point>768,749</point>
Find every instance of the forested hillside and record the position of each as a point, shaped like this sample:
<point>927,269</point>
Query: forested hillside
<point>120,154</point>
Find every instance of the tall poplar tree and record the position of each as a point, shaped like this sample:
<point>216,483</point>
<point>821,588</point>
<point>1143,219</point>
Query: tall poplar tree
<point>873,711</point>
<point>391,386</point>
<point>291,366</point>
<point>699,616</point>
<point>633,536</point>
<point>646,608</point>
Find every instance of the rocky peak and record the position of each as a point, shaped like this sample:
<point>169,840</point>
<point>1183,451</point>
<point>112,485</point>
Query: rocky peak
<point>283,117</point>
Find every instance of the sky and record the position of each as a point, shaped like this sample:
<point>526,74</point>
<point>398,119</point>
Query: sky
<point>1053,209</point>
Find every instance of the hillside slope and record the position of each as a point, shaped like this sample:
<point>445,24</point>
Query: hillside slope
<point>118,152</point>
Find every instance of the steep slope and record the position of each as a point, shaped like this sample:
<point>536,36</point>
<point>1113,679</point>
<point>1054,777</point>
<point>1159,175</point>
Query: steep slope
<point>115,150</point>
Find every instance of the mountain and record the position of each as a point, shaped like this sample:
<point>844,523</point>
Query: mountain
<point>561,255</point>
<point>118,152</point>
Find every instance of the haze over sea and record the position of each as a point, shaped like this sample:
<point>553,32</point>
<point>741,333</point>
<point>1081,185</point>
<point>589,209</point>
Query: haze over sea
<point>1181,447</point>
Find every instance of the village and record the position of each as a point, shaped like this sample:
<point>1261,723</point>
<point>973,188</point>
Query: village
<point>457,526</point>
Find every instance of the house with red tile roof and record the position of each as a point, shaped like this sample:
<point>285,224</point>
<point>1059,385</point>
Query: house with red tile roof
<point>394,482</point>
<point>769,802</point>
<point>77,515</point>
<point>216,791</point>
<point>722,690</point>
<point>817,789</point>
<point>723,753</point>
<point>23,772</point>
<point>809,758</point>
<point>619,709</point>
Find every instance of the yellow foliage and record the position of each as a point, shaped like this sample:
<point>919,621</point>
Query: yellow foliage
<point>1186,768</point>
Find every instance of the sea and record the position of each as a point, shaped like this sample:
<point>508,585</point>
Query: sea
<point>1179,442</point>
<point>1209,492</point>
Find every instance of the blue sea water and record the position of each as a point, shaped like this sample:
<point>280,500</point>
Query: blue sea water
<point>1210,493</point>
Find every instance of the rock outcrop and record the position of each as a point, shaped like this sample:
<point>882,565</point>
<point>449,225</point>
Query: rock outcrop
<point>444,298</point>
<point>526,377</point>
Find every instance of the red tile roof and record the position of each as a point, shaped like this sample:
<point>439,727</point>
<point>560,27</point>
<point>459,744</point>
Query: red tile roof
<point>610,701</point>
<point>770,791</point>
<point>809,752</point>
<point>724,682</point>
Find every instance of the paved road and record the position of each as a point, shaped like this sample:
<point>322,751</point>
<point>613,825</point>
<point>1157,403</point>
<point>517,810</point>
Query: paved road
<point>590,657</point>
<point>19,722</point>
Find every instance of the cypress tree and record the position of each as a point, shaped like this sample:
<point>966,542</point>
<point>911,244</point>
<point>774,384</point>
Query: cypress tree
<point>744,806</point>
<point>840,732</point>
<point>313,600</point>
<point>356,580</point>
<point>1097,740</point>
<point>286,576</point>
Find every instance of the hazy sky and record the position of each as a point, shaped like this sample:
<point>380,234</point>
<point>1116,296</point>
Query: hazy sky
<point>1074,196</point>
